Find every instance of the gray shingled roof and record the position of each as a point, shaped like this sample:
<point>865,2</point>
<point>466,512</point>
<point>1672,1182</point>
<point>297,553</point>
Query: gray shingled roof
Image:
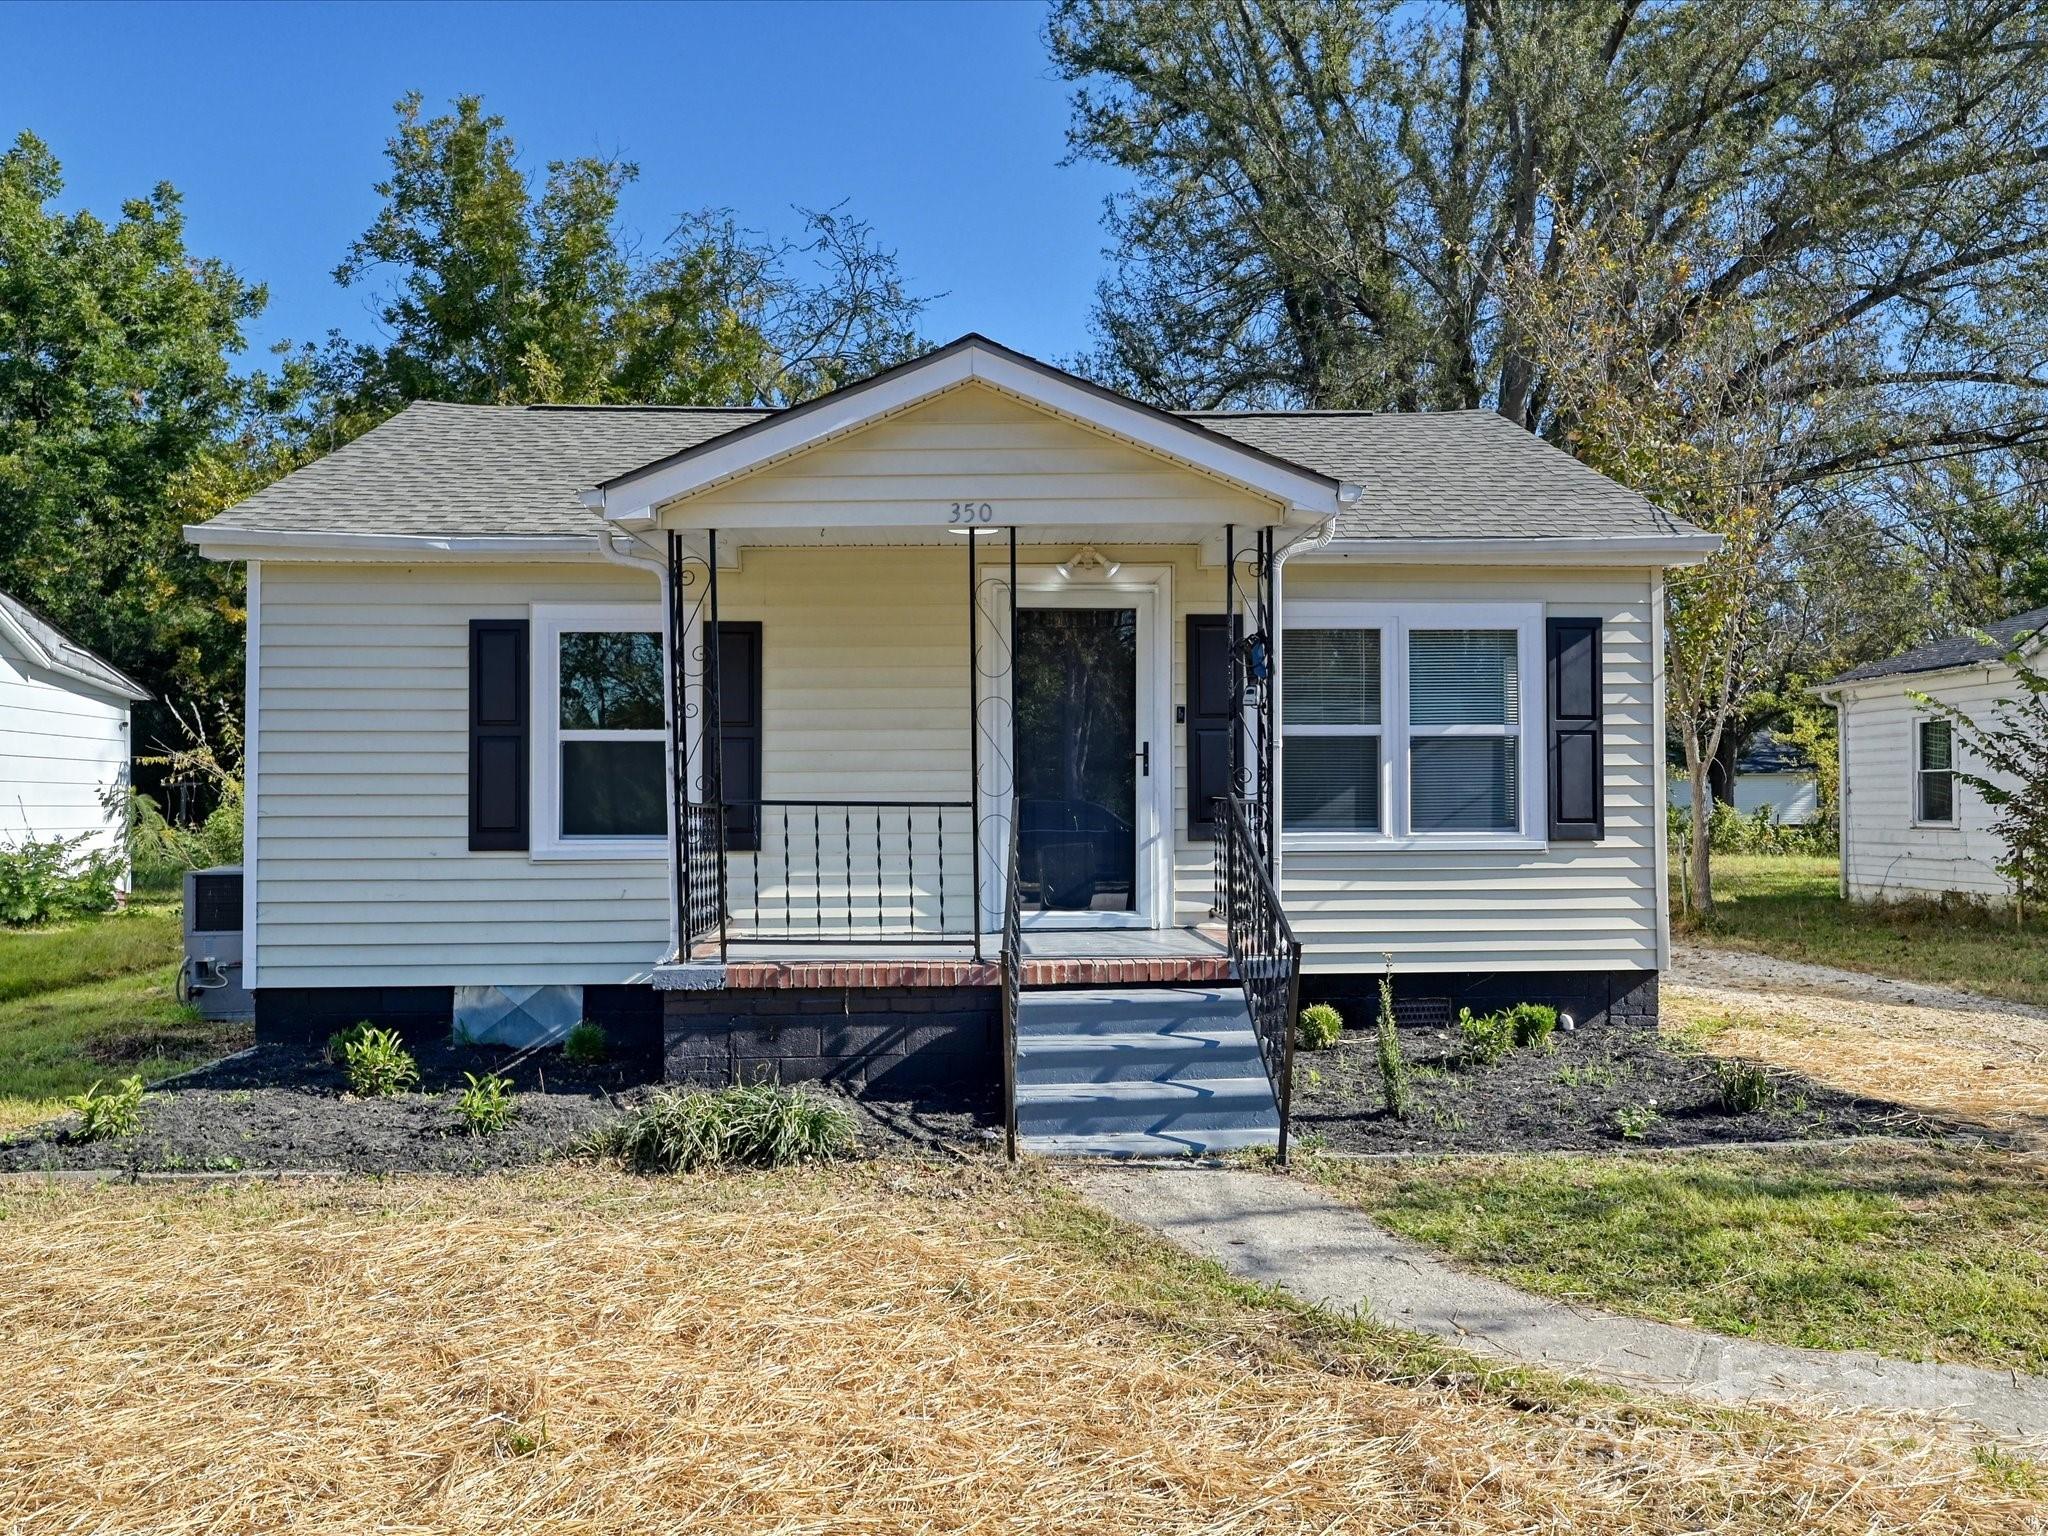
<point>456,471</point>
<point>1954,651</point>
<point>66,657</point>
<point>1450,474</point>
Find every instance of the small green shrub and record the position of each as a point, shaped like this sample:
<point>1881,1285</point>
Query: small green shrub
<point>1395,1092</point>
<point>1534,1023</point>
<point>1319,1027</point>
<point>115,1112</point>
<point>485,1106</point>
<point>46,879</point>
<point>1487,1036</point>
<point>585,1044</point>
<point>759,1125</point>
<point>1743,1088</point>
<point>377,1063</point>
<point>1633,1121</point>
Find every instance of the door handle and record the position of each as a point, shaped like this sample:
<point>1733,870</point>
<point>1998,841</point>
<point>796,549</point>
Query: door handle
<point>1144,755</point>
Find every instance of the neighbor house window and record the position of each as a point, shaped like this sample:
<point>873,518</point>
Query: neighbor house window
<point>1406,722</point>
<point>1934,776</point>
<point>600,761</point>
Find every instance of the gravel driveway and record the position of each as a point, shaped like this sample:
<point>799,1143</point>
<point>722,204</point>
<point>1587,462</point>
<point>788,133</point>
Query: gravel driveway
<point>1909,1042</point>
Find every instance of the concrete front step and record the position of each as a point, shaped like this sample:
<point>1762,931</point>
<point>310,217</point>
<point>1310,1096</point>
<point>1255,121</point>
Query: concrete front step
<point>1147,1143</point>
<point>1130,1011</point>
<point>1190,1108</point>
<point>1161,1056</point>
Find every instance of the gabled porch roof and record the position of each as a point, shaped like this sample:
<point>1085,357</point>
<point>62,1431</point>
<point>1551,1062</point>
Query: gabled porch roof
<point>1300,495</point>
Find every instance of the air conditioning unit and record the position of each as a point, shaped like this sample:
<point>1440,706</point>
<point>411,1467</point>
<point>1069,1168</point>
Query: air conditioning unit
<point>211,980</point>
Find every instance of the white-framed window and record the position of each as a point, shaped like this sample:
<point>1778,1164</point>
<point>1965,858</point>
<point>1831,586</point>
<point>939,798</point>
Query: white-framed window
<point>600,744</point>
<point>1934,772</point>
<point>1411,724</point>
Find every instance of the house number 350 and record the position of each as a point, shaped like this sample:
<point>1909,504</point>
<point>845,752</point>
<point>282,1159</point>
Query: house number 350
<point>971,512</point>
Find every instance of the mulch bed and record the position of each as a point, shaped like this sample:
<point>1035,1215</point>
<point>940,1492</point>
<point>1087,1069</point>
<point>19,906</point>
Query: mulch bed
<point>288,1107</point>
<point>1563,1099</point>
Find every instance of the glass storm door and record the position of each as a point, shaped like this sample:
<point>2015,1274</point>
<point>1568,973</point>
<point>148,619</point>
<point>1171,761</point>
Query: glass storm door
<point>1080,758</point>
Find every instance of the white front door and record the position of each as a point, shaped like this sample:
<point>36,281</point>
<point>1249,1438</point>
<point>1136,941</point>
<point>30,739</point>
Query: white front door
<point>1094,752</point>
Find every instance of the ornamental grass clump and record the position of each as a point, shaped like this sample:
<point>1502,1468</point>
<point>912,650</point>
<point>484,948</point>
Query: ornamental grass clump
<point>759,1125</point>
<point>1743,1088</point>
<point>377,1062</point>
<point>115,1112</point>
<point>1319,1027</point>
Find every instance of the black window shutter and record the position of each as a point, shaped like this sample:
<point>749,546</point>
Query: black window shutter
<point>1209,716</point>
<point>739,731</point>
<point>1578,801</point>
<point>498,734</point>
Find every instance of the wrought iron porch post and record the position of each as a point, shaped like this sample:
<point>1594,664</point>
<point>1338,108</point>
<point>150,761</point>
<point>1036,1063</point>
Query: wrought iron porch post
<point>973,747</point>
<point>679,768</point>
<point>714,733</point>
<point>1267,693</point>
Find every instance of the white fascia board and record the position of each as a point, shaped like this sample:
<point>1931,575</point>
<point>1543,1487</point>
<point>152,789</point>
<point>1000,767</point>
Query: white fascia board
<point>1657,549</point>
<point>217,543</point>
<point>1910,682</point>
<point>24,642</point>
<point>636,496</point>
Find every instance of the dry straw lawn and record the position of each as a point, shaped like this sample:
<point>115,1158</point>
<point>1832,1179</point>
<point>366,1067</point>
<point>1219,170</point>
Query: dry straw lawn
<point>876,1349</point>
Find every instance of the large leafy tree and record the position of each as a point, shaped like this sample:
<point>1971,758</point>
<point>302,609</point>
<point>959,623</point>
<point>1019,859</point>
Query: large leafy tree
<point>500,286</point>
<point>117,403</point>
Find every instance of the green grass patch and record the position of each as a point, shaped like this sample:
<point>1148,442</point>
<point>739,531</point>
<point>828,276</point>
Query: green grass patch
<point>1789,906</point>
<point>90,1002</point>
<point>1919,1252</point>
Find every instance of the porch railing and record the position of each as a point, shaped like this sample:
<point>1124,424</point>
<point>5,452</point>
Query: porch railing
<point>1264,952</point>
<point>1013,983</point>
<point>849,871</point>
<point>700,878</point>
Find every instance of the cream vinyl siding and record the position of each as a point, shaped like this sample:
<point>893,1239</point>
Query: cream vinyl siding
<point>62,745</point>
<point>1568,906</point>
<point>1884,854</point>
<point>364,875</point>
<point>975,444</point>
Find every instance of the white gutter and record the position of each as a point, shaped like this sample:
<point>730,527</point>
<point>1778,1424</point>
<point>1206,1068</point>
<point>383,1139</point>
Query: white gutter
<point>218,543</point>
<point>1657,549</point>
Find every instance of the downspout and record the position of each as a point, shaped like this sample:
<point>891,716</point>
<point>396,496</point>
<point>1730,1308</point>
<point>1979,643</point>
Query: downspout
<point>657,567</point>
<point>1316,538</point>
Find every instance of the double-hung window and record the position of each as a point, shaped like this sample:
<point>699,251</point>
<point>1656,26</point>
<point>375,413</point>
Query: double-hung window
<point>1934,773</point>
<point>600,752</point>
<point>1408,724</point>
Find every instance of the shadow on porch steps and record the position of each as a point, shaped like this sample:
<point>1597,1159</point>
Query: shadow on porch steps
<point>1140,1072</point>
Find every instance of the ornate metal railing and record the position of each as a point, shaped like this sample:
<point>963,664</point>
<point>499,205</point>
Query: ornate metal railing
<point>850,871</point>
<point>1264,953</point>
<point>1013,983</point>
<point>700,876</point>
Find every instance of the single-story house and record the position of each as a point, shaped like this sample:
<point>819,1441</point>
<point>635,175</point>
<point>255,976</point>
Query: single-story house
<point>1910,827</point>
<point>64,737</point>
<point>972,727</point>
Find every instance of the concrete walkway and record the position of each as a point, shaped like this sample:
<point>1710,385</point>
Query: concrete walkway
<point>1277,1231</point>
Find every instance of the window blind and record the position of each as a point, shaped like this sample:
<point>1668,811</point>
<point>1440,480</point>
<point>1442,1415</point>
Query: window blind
<point>1463,677</point>
<point>1332,783</point>
<point>1333,677</point>
<point>1462,783</point>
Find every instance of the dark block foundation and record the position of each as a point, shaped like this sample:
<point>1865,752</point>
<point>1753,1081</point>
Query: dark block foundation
<point>1590,997</point>
<point>937,1044</point>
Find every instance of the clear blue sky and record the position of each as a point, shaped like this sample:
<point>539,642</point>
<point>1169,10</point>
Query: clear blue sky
<point>941,124</point>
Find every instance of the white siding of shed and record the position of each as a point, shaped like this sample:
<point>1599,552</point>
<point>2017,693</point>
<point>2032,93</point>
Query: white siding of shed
<point>364,875</point>
<point>62,745</point>
<point>1884,855</point>
<point>1570,906</point>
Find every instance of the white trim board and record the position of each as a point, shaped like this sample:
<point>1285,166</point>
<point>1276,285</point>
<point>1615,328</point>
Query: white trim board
<point>548,621</point>
<point>252,775</point>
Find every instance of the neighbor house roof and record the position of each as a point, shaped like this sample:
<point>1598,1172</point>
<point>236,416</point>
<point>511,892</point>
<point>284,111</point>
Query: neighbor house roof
<point>1955,651</point>
<point>45,645</point>
<point>473,473</point>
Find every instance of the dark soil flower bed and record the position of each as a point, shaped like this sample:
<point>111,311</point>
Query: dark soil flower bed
<point>288,1107</point>
<point>1571,1097</point>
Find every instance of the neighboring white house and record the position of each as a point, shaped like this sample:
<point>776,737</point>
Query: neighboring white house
<point>721,724</point>
<point>64,737</point>
<point>1909,825</point>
